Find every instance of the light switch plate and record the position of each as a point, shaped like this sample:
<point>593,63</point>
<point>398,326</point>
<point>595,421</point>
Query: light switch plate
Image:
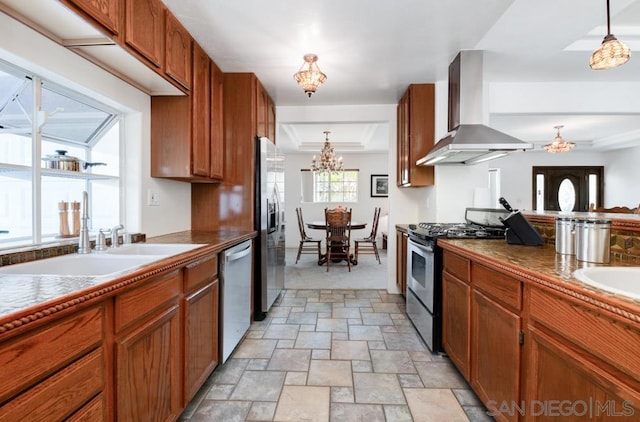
<point>153,198</point>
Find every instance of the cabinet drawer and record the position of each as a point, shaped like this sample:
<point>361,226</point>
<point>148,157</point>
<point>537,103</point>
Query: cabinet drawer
<point>200,272</point>
<point>139,302</point>
<point>498,286</point>
<point>456,265</point>
<point>38,353</point>
<point>59,395</point>
<point>609,339</point>
<point>93,411</point>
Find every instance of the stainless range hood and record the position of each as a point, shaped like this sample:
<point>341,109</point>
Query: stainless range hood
<point>468,140</point>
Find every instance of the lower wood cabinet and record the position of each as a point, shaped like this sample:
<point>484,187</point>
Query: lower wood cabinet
<point>456,330</point>
<point>401,261</point>
<point>495,352</point>
<point>533,354</point>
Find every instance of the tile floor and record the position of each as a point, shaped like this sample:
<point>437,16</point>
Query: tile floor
<point>335,355</point>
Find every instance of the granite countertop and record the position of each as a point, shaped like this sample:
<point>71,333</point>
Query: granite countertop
<point>540,264</point>
<point>28,297</point>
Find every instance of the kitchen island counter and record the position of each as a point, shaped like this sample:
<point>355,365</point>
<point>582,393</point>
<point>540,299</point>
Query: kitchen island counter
<point>541,265</point>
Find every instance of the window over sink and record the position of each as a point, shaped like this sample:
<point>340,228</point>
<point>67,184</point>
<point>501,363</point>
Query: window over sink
<point>54,144</point>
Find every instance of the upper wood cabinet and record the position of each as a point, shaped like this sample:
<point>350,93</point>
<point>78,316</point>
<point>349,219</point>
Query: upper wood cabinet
<point>186,132</point>
<point>217,128</point>
<point>201,108</point>
<point>145,29</point>
<point>177,51</point>
<point>265,114</point>
<point>107,13</point>
<point>416,134</point>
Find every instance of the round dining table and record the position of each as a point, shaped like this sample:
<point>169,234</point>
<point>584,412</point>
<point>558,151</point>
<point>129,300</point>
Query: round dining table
<point>321,225</point>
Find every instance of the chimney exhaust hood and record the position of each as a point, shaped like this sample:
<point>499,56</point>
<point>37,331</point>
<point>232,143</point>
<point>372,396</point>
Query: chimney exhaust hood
<point>468,140</point>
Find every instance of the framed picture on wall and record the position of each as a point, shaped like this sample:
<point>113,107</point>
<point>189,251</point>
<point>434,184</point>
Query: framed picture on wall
<point>379,185</point>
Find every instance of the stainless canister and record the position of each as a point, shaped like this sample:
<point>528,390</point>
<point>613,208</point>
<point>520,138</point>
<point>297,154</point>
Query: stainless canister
<point>593,240</point>
<point>565,236</point>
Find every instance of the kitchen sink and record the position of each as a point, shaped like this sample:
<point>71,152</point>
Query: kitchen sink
<point>621,280</point>
<point>166,249</point>
<point>81,265</point>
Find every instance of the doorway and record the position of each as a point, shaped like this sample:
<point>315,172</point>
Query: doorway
<point>567,188</point>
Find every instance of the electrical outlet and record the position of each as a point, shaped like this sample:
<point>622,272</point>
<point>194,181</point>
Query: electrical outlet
<point>153,198</point>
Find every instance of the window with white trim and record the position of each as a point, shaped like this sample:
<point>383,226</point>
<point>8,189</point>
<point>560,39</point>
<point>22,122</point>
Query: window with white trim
<point>340,186</point>
<point>39,120</point>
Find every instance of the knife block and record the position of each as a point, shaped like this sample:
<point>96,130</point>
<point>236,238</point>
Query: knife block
<point>520,231</point>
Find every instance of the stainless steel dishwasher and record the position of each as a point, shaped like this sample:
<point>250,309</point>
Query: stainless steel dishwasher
<point>235,291</point>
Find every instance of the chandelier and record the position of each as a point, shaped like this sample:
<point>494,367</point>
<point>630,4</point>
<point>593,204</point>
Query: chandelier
<point>611,53</point>
<point>309,77</point>
<point>559,144</point>
<point>327,160</point>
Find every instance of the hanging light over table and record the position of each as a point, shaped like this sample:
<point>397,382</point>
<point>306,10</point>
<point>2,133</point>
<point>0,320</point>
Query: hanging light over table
<point>559,144</point>
<point>327,160</point>
<point>309,77</point>
<point>612,53</point>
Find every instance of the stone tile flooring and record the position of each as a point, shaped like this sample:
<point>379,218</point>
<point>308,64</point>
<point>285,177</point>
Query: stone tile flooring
<point>335,355</point>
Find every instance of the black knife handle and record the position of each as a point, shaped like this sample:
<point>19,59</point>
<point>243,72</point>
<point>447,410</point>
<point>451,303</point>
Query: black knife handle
<point>505,204</point>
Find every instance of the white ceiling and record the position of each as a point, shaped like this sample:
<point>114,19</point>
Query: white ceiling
<point>371,50</point>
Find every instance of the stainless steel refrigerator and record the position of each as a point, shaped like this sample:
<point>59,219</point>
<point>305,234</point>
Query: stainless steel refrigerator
<point>270,224</point>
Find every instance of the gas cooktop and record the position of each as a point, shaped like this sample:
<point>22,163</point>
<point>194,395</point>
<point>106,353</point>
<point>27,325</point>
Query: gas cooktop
<point>429,231</point>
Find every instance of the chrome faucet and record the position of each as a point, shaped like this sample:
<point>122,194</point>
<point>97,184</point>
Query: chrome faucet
<point>114,235</point>
<point>83,241</point>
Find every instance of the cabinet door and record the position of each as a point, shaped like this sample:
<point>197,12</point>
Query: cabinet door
<point>217,129</point>
<point>271,120</point>
<point>201,338</point>
<point>177,51</point>
<point>261,110</point>
<point>201,124</point>
<point>401,262</point>
<point>403,141</point>
<point>456,311</point>
<point>557,373</point>
<point>495,351</point>
<point>105,12</point>
<point>147,365</point>
<point>144,29</point>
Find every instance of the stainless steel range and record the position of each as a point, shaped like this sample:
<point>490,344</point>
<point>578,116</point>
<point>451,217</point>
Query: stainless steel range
<point>424,269</point>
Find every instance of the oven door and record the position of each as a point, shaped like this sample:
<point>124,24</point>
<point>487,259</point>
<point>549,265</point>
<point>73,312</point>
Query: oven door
<point>420,273</point>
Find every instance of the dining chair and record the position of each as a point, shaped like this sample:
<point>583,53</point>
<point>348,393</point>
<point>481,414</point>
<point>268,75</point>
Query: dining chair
<point>368,245</point>
<point>616,210</point>
<point>338,226</point>
<point>306,242</point>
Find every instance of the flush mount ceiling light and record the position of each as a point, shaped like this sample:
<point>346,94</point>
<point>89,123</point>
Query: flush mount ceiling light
<point>612,53</point>
<point>309,77</point>
<point>327,160</point>
<point>559,144</point>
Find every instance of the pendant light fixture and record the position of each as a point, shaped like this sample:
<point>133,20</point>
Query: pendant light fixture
<point>327,160</point>
<point>559,144</point>
<point>612,53</point>
<point>309,77</point>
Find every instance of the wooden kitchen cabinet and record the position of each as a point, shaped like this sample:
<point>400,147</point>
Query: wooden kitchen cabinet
<point>36,384</point>
<point>145,29</point>
<point>265,113</point>
<point>107,13</point>
<point>178,57</point>
<point>147,350</point>
<point>456,329</point>
<point>186,131</point>
<point>495,336</point>
<point>216,170</point>
<point>201,306</point>
<point>201,108</point>
<point>415,135</point>
<point>401,261</point>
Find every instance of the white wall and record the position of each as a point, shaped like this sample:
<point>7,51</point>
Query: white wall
<point>367,164</point>
<point>24,47</point>
<point>622,178</point>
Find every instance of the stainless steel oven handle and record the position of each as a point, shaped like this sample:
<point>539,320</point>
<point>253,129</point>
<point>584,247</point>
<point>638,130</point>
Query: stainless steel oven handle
<point>428,249</point>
